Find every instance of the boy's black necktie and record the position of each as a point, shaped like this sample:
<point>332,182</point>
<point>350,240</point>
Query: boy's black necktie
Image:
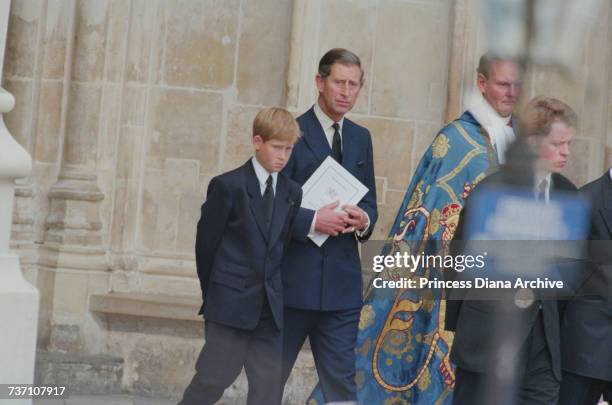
<point>337,144</point>
<point>268,198</point>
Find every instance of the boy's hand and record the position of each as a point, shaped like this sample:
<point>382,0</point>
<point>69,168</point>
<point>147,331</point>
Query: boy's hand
<point>329,221</point>
<point>357,218</point>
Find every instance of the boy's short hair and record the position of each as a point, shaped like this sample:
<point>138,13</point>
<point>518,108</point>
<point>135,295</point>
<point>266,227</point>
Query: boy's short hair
<point>541,112</point>
<point>276,123</point>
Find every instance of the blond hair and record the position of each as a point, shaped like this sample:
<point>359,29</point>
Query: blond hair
<point>540,113</point>
<point>276,123</point>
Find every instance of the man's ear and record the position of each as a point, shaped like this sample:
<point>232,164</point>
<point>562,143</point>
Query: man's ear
<point>481,82</point>
<point>257,142</point>
<point>319,80</point>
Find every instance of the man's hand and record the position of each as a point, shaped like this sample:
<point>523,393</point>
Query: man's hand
<point>357,218</point>
<point>329,221</point>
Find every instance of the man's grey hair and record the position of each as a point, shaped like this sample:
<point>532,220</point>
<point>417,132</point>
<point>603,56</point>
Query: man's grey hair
<point>342,56</point>
<point>486,62</point>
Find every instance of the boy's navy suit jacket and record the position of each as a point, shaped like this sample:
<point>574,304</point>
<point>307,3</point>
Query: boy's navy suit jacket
<point>238,259</point>
<point>327,277</point>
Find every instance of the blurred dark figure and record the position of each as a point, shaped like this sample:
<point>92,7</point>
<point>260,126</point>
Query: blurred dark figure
<point>505,353</point>
<point>586,330</point>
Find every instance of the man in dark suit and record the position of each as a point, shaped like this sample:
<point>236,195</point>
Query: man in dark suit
<point>586,330</point>
<point>546,125</point>
<point>322,285</point>
<point>242,234</point>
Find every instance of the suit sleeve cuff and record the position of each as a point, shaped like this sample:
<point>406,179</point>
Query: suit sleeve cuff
<point>303,223</point>
<point>312,232</point>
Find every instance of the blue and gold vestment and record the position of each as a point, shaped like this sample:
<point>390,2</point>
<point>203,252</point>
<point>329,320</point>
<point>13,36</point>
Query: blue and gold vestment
<point>403,351</point>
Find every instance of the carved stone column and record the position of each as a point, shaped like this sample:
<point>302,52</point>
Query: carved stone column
<point>74,217</point>
<point>18,298</point>
<point>73,226</point>
<point>303,55</point>
<point>466,46</point>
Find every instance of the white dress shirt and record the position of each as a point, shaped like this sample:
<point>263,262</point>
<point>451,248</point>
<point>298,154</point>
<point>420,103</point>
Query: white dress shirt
<point>327,124</point>
<point>539,177</point>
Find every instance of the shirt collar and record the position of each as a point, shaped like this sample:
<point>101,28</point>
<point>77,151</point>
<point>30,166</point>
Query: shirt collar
<point>325,121</point>
<point>610,172</point>
<point>539,176</point>
<point>262,174</point>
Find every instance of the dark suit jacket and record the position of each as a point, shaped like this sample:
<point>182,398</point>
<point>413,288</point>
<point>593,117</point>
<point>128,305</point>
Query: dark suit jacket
<point>586,331</point>
<point>327,277</point>
<point>475,322</point>
<point>238,260</point>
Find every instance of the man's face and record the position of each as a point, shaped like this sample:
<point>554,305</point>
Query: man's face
<point>274,154</point>
<point>338,91</point>
<point>553,149</point>
<point>503,87</point>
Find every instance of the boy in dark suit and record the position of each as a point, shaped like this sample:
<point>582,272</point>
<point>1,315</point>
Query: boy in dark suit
<point>240,242</point>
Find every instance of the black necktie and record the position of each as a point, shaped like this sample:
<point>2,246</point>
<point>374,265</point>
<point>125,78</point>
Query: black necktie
<point>268,198</point>
<point>337,144</point>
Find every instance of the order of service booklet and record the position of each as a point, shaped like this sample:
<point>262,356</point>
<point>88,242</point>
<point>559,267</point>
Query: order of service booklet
<point>329,183</point>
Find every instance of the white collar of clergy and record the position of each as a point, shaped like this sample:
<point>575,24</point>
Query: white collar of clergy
<point>500,133</point>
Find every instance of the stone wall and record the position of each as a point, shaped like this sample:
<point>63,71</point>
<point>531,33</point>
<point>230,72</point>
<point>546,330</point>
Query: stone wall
<point>129,107</point>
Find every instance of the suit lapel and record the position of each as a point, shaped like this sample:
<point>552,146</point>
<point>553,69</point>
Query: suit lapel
<point>349,148</point>
<point>317,142</point>
<point>315,138</point>
<point>254,191</point>
<point>559,183</point>
<point>281,208</point>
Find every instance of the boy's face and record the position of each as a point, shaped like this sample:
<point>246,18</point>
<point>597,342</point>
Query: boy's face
<point>274,154</point>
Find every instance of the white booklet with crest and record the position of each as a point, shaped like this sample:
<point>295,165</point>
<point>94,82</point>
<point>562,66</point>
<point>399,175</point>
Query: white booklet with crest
<point>329,183</point>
